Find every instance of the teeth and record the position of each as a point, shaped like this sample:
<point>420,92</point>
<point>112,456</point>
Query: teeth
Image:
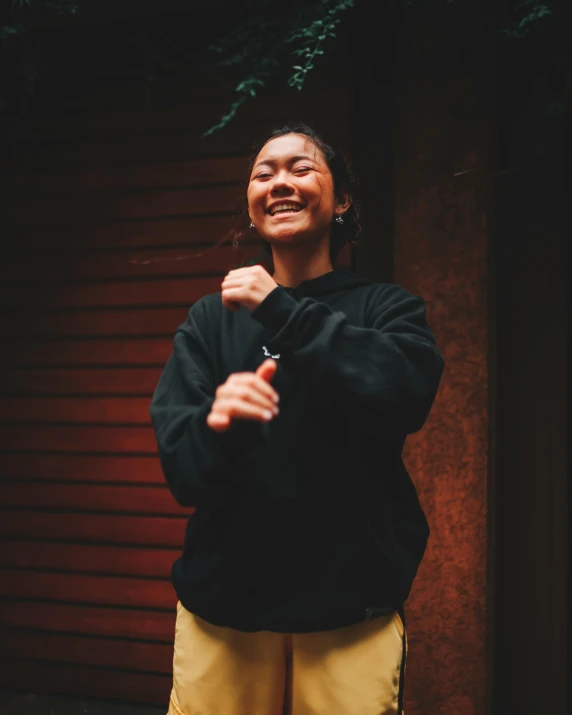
<point>284,207</point>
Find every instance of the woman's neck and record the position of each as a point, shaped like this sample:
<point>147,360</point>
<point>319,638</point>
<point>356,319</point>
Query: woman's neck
<point>294,264</point>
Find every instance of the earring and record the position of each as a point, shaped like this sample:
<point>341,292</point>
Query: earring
<point>339,219</point>
<point>251,225</point>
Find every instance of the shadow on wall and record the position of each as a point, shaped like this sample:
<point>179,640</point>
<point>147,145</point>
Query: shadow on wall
<point>19,704</point>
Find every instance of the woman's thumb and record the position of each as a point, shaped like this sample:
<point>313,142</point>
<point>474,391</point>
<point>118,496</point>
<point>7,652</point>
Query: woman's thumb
<point>267,370</point>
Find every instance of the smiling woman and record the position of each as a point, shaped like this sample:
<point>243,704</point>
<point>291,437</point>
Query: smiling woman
<point>307,532</point>
<point>301,190</point>
<point>291,197</point>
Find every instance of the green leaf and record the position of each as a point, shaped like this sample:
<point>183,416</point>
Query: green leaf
<point>8,30</point>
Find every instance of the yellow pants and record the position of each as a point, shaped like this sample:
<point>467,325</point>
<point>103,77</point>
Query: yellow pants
<point>355,670</point>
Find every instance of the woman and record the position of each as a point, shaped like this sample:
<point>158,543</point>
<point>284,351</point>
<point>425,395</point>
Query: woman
<point>281,416</point>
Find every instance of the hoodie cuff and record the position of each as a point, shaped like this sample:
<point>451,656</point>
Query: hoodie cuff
<point>242,437</point>
<point>275,310</point>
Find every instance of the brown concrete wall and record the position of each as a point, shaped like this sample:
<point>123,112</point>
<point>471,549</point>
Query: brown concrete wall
<point>440,252</point>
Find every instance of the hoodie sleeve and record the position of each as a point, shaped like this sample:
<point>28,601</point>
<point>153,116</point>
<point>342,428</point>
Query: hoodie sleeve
<point>386,375</point>
<point>198,463</point>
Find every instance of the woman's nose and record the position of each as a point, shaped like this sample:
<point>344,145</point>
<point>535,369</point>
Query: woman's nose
<point>281,184</point>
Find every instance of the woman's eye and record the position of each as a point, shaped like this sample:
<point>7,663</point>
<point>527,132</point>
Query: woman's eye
<point>302,169</point>
<point>262,176</point>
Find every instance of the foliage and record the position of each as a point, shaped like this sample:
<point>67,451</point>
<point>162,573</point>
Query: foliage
<point>22,9</point>
<point>312,37</point>
<point>308,26</point>
<point>268,41</point>
<point>526,16</point>
<point>263,42</point>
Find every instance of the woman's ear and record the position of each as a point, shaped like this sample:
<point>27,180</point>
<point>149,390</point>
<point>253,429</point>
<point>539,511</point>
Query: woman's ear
<point>343,204</point>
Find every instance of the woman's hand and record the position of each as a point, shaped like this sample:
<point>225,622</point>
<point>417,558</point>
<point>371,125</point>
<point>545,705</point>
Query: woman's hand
<point>246,286</point>
<point>245,396</point>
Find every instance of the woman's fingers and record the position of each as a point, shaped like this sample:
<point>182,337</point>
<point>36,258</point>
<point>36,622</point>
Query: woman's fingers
<point>248,385</point>
<point>267,370</point>
<point>227,302</point>
<point>245,396</point>
<point>237,409</point>
<point>218,421</point>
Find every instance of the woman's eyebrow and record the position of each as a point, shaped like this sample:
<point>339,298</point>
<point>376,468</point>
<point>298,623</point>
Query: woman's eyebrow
<point>292,160</point>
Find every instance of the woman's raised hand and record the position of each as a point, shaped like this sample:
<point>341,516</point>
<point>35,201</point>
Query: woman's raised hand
<point>247,286</point>
<point>245,396</point>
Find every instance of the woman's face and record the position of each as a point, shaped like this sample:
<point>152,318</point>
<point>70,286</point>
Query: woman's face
<point>291,191</point>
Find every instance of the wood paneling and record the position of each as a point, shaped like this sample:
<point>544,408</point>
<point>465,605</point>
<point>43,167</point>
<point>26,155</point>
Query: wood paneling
<point>119,122</point>
<point>80,468</point>
<point>94,528</point>
<point>138,204</point>
<point>215,170</point>
<point>178,291</point>
<point>115,224</point>
<point>161,147</point>
<point>109,410</point>
<point>58,556</point>
<point>159,233</point>
<point>82,588</point>
<point>119,351</point>
<point>82,497</point>
<point>80,381</point>
<point>85,650</point>
<point>113,265</point>
<point>157,625</point>
<point>75,438</point>
<point>91,323</point>
<point>70,679</point>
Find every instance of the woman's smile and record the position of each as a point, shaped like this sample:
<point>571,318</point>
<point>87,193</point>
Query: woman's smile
<point>291,192</point>
<point>283,208</point>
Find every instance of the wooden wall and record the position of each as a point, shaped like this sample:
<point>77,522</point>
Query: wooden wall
<point>106,212</point>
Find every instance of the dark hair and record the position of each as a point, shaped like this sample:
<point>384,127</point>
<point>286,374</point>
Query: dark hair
<point>344,181</point>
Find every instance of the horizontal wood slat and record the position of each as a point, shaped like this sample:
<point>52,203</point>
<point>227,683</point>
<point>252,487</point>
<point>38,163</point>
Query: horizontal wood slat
<point>82,381</point>
<point>165,232</point>
<point>131,351</point>
<point>227,169</point>
<point>92,323</point>
<point>96,620</point>
<point>149,203</point>
<point>119,439</point>
<point>118,121</point>
<point>95,528</point>
<point>80,468</point>
<point>123,561</point>
<point>82,497</point>
<point>177,145</point>
<point>104,684</point>
<point>79,588</point>
<point>108,410</point>
<point>86,650</point>
<point>113,265</point>
<point>177,291</point>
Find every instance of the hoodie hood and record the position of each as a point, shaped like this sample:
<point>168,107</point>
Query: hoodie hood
<point>332,282</point>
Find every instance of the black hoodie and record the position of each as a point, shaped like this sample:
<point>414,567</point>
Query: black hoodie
<point>309,522</point>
